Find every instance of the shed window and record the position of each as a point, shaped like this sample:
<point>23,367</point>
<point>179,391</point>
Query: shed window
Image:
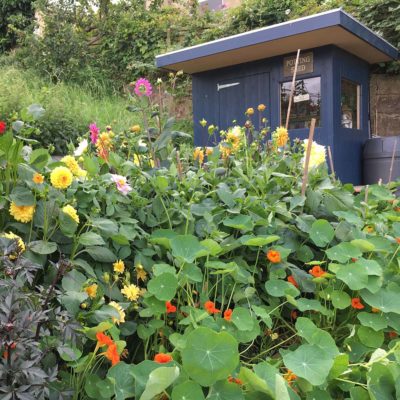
<point>306,102</point>
<point>350,104</point>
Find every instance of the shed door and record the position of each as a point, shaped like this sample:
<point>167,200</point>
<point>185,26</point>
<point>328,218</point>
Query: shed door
<point>236,95</point>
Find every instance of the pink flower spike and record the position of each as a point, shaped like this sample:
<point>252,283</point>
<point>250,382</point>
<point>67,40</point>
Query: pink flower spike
<point>143,87</point>
<point>94,132</point>
<point>122,185</point>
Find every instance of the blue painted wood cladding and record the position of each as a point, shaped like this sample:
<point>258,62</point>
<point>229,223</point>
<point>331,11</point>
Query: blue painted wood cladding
<point>260,81</point>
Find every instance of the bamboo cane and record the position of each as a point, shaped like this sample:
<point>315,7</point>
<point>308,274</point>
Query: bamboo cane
<point>331,162</point>
<point>292,89</point>
<point>392,160</point>
<point>308,154</point>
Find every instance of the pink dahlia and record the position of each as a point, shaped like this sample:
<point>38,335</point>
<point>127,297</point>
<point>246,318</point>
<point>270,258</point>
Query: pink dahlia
<point>94,132</point>
<point>143,87</point>
<point>122,185</point>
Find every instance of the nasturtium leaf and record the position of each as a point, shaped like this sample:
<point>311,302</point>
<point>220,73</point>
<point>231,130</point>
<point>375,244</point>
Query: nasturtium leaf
<point>242,319</point>
<point>280,288</point>
<point>163,286</point>
<point>359,393</point>
<point>159,269</point>
<point>281,389</point>
<point>186,248</point>
<point>309,362</point>
<point>381,383</point>
<point>212,246</point>
<point>321,232</point>
<point>91,239</point>
<point>95,388</point>
<point>350,217</point>
<point>141,373</point>
<point>384,299</point>
<point>69,353</point>
<point>258,241</point>
<point>371,266</point>
<point>364,245</point>
<point>124,382</point>
<point>42,247</point>
<point>353,275</point>
<point>101,254</point>
<point>343,252</point>
<point>375,321</point>
<point>242,222</point>
<point>255,383</point>
<point>263,314</point>
<point>369,337</point>
<point>340,299</point>
<point>318,394</point>
<point>162,237</point>
<point>223,390</point>
<point>340,364</point>
<point>192,272</point>
<point>188,390</point>
<point>311,305</point>
<point>159,380</point>
<point>209,356</point>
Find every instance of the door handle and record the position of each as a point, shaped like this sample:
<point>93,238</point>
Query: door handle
<point>219,87</point>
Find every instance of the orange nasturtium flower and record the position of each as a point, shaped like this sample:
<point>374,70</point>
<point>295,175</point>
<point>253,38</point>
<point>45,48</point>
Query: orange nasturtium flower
<point>170,308</point>
<point>356,303</point>
<point>228,314</point>
<point>317,271</point>
<point>398,240</point>
<point>392,334</point>
<point>291,280</point>
<point>290,376</point>
<point>375,310</point>
<point>274,256</point>
<point>103,340</point>
<point>293,315</point>
<point>235,380</point>
<point>112,354</point>
<point>210,307</point>
<point>162,358</point>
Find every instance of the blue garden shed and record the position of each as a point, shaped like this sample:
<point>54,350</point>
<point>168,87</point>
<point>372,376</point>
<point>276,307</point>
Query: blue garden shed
<point>332,82</point>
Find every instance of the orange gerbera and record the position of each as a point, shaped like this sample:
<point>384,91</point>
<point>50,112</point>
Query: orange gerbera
<point>112,354</point>
<point>235,380</point>
<point>103,340</point>
<point>317,271</point>
<point>274,256</point>
<point>162,358</point>
<point>228,314</point>
<point>356,303</point>
<point>291,280</point>
<point>170,308</point>
<point>210,307</point>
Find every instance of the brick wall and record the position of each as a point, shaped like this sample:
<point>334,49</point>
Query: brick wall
<point>385,105</point>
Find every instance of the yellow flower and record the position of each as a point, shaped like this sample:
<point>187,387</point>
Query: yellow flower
<point>203,122</point>
<point>198,155</point>
<point>249,111</point>
<point>121,313</point>
<point>211,129</point>
<point>74,167</point>
<point>141,273</point>
<point>280,136</point>
<point>38,178</point>
<point>69,210</point>
<point>91,291</point>
<point>261,107</point>
<point>20,244</point>
<point>317,155</point>
<point>61,177</point>
<point>135,129</point>
<point>119,266</point>
<point>22,213</point>
<point>234,137</point>
<point>131,292</point>
<point>136,160</point>
<point>209,150</point>
<point>225,151</point>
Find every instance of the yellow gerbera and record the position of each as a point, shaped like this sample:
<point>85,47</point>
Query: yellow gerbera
<point>121,313</point>
<point>20,244</point>
<point>22,213</point>
<point>280,136</point>
<point>69,210</point>
<point>119,266</point>
<point>61,177</point>
<point>38,178</point>
<point>91,290</point>
<point>131,292</point>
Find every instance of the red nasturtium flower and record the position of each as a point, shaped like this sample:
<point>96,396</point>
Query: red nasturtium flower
<point>170,308</point>
<point>293,315</point>
<point>210,307</point>
<point>356,303</point>
<point>317,271</point>
<point>392,334</point>
<point>3,127</point>
<point>112,354</point>
<point>103,340</point>
<point>274,256</point>
<point>228,314</point>
<point>354,259</point>
<point>235,380</point>
<point>291,280</point>
<point>162,358</point>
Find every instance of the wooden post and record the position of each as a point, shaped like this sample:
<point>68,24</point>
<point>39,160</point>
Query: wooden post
<point>307,159</point>
<point>292,89</point>
<point>331,162</point>
<point>392,161</point>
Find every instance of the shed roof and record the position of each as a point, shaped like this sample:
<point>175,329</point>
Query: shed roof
<point>334,27</point>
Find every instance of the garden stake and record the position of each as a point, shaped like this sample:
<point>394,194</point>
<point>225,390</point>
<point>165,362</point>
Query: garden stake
<point>307,159</point>
<point>331,163</point>
<point>179,164</point>
<point>392,161</point>
<point>292,89</point>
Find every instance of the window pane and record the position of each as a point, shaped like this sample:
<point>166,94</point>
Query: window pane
<point>306,102</point>
<point>350,104</point>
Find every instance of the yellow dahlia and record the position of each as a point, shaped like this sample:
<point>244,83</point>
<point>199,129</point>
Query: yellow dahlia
<point>119,266</point>
<point>141,274</point>
<point>38,178</point>
<point>69,210</point>
<point>91,290</point>
<point>249,111</point>
<point>73,166</point>
<point>61,177</point>
<point>131,292</point>
<point>234,137</point>
<point>121,313</point>
<point>198,155</point>
<point>22,213</point>
<point>280,136</point>
<point>317,154</point>
<point>209,150</point>
<point>261,107</point>
<point>135,128</point>
<point>20,244</point>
